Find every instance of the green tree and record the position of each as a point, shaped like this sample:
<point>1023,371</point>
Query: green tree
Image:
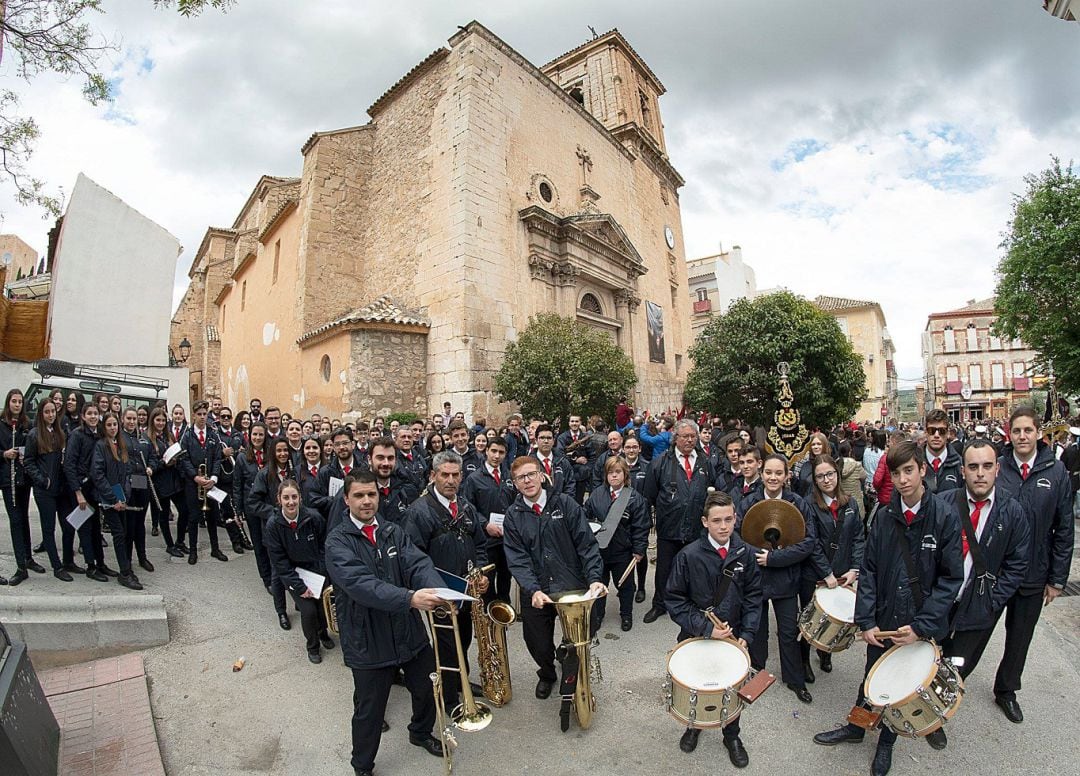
<point>42,36</point>
<point>1038,289</point>
<point>736,355</point>
<point>558,367</point>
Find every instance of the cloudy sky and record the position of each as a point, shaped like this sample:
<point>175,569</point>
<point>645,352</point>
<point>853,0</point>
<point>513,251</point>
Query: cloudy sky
<point>852,148</point>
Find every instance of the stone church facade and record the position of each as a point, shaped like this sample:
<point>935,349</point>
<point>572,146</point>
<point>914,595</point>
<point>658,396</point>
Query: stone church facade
<point>392,273</point>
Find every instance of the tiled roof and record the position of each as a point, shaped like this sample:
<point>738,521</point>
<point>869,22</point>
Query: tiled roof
<point>833,303</point>
<point>425,64</point>
<point>382,310</point>
<point>982,305</point>
<point>612,33</point>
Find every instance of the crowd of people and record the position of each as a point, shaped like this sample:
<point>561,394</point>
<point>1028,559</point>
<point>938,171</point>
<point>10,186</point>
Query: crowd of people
<point>384,509</point>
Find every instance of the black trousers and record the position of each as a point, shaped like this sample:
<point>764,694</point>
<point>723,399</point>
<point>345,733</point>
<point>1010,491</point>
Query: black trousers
<point>160,517</point>
<point>135,532</point>
<point>312,620</point>
<point>47,514</point>
<point>499,589</point>
<point>196,515</point>
<point>538,630</point>
<point>613,569</point>
<point>806,595</point>
<point>90,538</point>
<point>666,550</point>
<point>371,689</point>
<point>786,611</point>
<point>117,522</point>
<point>968,645</point>
<point>17,503</point>
<point>886,737</point>
<point>262,558</point>
<point>448,653</point>
<point>1021,615</point>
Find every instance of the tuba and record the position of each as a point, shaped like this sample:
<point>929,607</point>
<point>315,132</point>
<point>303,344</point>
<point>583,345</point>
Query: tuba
<point>489,626</point>
<point>576,657</point>
<point>329,608</point>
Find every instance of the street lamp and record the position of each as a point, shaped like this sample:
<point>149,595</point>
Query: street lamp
<point>185,350</point>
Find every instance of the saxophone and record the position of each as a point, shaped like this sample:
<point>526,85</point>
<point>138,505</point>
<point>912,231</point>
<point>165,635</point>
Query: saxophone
<point>490,622</point>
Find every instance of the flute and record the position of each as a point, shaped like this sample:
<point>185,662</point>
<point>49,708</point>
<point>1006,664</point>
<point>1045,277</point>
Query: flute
<point>14,450</point>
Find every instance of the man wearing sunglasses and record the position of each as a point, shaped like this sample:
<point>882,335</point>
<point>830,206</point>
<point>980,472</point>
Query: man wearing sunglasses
<point>944,469</point>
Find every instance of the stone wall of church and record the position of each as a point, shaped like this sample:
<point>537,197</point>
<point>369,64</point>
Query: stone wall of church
<point>387,373</point>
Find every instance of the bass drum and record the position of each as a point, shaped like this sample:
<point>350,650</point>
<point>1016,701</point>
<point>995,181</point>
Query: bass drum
<point>704,677</point>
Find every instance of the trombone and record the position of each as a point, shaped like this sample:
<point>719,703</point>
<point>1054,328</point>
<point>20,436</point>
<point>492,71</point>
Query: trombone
<point>468,716</point>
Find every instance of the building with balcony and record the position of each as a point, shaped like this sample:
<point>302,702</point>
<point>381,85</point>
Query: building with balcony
<point>715,282</point>
<point>864,324</point>
<point>971,372</point>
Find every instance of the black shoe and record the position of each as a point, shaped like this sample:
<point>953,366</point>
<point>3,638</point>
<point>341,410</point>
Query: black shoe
<point>808,672</point>
<point>34,566</point>
<point>627,623</point>
<point>882,760</point>
<point>845,734</point>
<point>1011,709</point>
<point>154,531</point>
<point>3,581</point>
<point>314,657</point>
<point>39,548</point>
<point>193,557</point>
<point>218,555</point>
<point>130,581</point>
<point>73,568</point>
<point>247,545</point>
<point>238,548</point>
<point>639,597</point>
<point>63,576</point>
<point>801,693</point>
<point>688,742</point>
<point>477,690</point>
<point>146,565</point>
<point>358,772</point>
<point>937,740</point>
<point>107,571</point>
<point>385,727</point>
<point>283,621</point>
<point>20,577</point>
<point>326,641</point>
<point>175,551</point>
<point>543,689</point>
<point>825,661</point>
<point>429,744</point>
<point>93,573</point>
<point>182,547</point>
<point>737,752</point>
<point>653,615</point>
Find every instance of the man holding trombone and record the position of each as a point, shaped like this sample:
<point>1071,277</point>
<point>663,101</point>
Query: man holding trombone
<point>381,583</point>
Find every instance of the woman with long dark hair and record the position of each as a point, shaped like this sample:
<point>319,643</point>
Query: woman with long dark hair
<point>166,481</point>
<point>135,514</point>
<point>77,457</point>
<point>16,486</point>
<point>261,503</point>
<point>72,414</point>
<point>249,462</point>
<point>110,471</point>
<point>43,462</point>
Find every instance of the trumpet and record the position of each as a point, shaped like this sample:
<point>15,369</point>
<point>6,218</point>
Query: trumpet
<point>203,490</point>
<point>468,716</point>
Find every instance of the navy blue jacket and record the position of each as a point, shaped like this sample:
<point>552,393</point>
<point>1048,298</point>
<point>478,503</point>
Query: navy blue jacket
<point>300,548</point>
<point>45,470</point>
<point>631,534</point>
<point>678,503</point>
<point>166,478</point>
<point>489,498</point>
<point>695,578</point>
<point>196,454</point>
<point>562,473</point>
<point>1045,496</point>
<point>783,569</point>
<point>884,597</point>
<point>1004,542</point>
<point>848,553</point>
<point>392,505</point>
<point>77,455</point>
<point>243,480</point>
<point>106,471</point>
<point>554,551</point>
<point>372,589</point>
<point>8,440</point>
<point>451,544</point>
<point>757,490</point>
<point>320,494</point>
<point>950,474</point>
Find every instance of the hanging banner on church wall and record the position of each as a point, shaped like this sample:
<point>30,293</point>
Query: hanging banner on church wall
<point>654,317</point>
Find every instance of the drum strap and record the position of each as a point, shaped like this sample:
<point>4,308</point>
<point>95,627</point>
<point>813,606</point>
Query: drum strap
<point>834,540</point>
<point>912,573</point>
<point>978,562</point>
<point>727,576</point>
<point>614,516</point>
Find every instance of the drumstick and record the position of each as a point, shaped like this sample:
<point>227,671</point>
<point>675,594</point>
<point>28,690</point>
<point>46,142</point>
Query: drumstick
<point>626,574</point>
<point>715,620</point>
<point>888,634</point>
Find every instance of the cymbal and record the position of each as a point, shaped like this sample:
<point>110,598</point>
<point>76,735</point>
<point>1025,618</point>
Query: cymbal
<point>773,523</point>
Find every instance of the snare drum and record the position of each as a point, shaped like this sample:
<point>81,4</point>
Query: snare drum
<point>914,688</point>
<point>703,681</point>
<point>828,621</point>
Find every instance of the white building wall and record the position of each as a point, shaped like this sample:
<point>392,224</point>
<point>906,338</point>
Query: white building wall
<point>734,279</point>
<point>112,283</point>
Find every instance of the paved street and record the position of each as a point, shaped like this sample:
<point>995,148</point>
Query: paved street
<point>282,715</point>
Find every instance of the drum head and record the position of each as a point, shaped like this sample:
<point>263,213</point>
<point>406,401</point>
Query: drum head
<point>707,664</point>
<point>838,603</point>
<point>899,672</point>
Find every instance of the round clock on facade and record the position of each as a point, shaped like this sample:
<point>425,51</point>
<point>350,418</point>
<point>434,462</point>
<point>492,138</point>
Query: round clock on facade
<point>669,237</point>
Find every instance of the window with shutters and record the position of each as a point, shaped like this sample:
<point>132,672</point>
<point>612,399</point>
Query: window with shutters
<point>975,377</point>
<point>950,339</point>
<point>997,375</point>
<point>952,374</point>
<point>972,337</point>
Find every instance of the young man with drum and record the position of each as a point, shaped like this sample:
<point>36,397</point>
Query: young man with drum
<point>915,530</point>
<point>995,545</point>
<point>716,574</point>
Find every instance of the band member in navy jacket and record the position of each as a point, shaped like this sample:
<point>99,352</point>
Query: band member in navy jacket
<point>491,491</point>
<point>1003,536</point>
<point>555,465</point>
<point>77,457</point>
<point>339,467</point>
<point>166,479</point>
<point>110,471</point>
<point>199,445</point>
<point>716,573</point>
<point>43,464</point>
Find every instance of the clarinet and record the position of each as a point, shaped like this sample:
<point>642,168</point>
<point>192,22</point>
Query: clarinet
<point>13,462</point>
<point>150,482</point>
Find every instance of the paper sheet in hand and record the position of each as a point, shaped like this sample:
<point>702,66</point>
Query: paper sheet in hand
<point>78,516</point>
<point>496,519</point>
<point>453,581</point>
<point>171,452</point>
<point>447,594</point>
<point>217,494</point>
<point>313,581</point>
<point>336,484</point>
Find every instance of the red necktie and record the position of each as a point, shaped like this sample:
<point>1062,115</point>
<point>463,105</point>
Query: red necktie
<point>408,457</point>
<point>686,466</point>
<point>835,509</point>
<point>909,516</point>
<point>1025,470</point>
<point>453,510</point>
<point>384,491</point>
<point>314,471</point>
<point>283,474</point>
<point>723,552</point>
<point>745,489</point>
<point>369,532</point>
<point>495,474</point>
<point>974,524</point>
<point>937,464</point>
<point>547,466</point>
<point>292,524</point>
<point>202,438</point>
<point>537,509</point>
<point>613,495</point>
<point>346,469</point>
<point>258,458</point>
